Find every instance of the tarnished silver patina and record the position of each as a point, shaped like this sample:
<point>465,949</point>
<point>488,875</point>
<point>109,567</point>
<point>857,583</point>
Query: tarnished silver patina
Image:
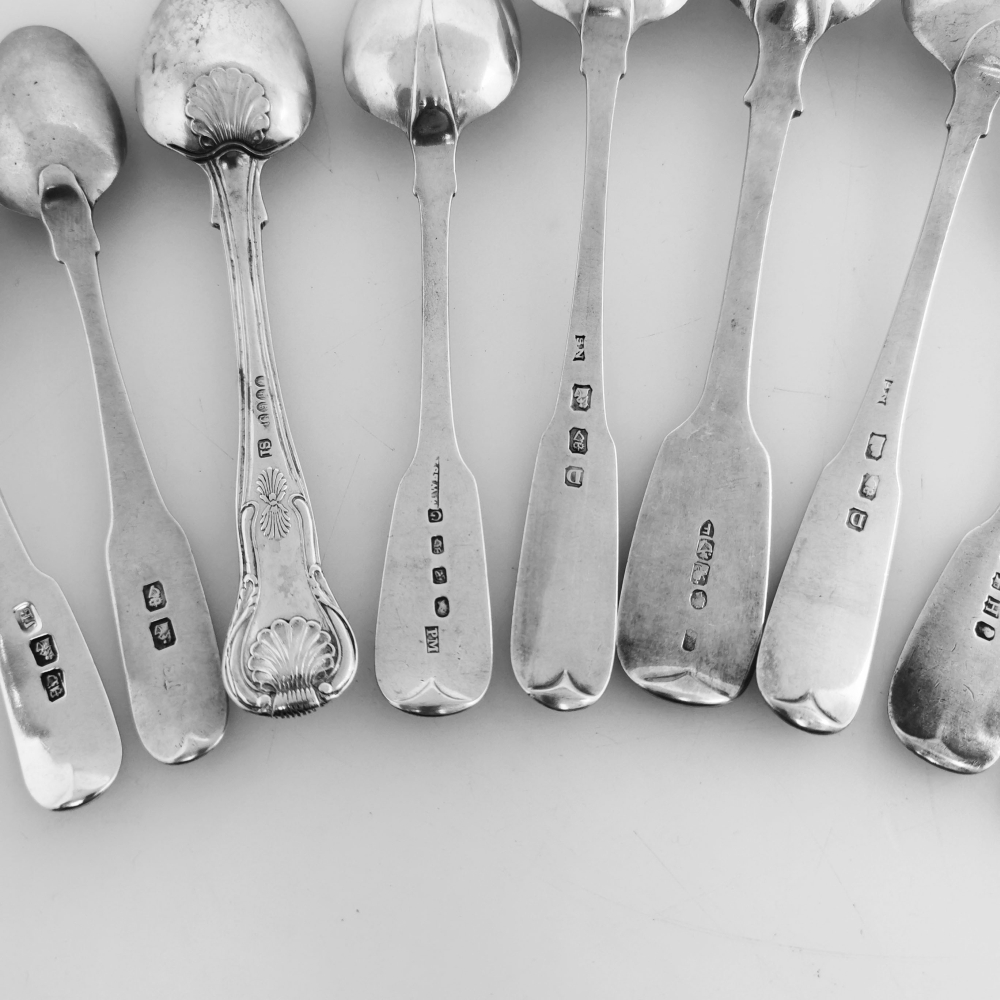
<point>817,647</point>
<point>562,642</point>
<point>692,602</point>
<point>429,67</point>
<point>944,698</point>
<point>228,83</point>
<point>61,143</point>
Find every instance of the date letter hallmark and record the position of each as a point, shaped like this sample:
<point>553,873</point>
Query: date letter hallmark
<point>886,386</point>
<point>574,476</point>
<point>262,406</point>
<point>857,519</point>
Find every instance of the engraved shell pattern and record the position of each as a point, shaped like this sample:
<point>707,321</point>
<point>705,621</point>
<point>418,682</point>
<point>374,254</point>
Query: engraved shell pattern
<point>293,662</point>
<point>274,518</point>
<point>228,106</point>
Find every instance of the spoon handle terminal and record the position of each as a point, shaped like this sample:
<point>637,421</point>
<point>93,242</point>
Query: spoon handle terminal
<point>169,649</point>
<point>817,646</point>
<point>692,602</point>
<point>433,640</point>
<point>64,731</point>
<point>289,648</point>
<point>563,632</point>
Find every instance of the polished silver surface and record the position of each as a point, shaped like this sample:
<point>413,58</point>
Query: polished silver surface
<point>562,642</point>
<point>62,135</point>
<point>692,601</point>
<point>429,67</point>
<point>228,83</point>
<point>817,647</point>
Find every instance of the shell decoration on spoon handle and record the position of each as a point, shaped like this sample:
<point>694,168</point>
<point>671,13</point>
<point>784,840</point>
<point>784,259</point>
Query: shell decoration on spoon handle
<point>289,649</point>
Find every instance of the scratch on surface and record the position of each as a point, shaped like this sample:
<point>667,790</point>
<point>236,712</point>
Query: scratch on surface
<point>336,517</point>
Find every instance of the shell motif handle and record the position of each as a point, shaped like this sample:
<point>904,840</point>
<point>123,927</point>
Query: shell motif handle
<point>289,649</point>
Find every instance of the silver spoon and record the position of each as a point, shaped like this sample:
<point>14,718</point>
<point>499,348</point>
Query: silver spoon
<point>429,67</point>
<point>64,731</point>
<point>692,602</point>
<point>562,642</point>
<point>63,144</point>
<point>227,83</point>
<point>944,697</point>
<point>817,647</point>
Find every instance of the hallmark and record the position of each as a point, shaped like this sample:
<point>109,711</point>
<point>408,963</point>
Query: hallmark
<point>574,475</point>
<point>857,519</point>
<point>690,640</point>
<point>985,631</point>
<point>699,575</point>
<point>435,516</point>
<point>441,607</point>
<point>27,616</point>
<point>582,396</point>
<point>162,632</point>
<point>432,637</point>
<point>437,544</point>
<point>264,448</point>
<point>869,486</point>
<point>876,442</point>
<point>581,342</point>
<point>154,596</point>
<point>436,485</point>
<point>52,681</point>
<point>43,649</point>
<point>698,599</point>
<point>886,386</point>
<point>705,549</point>
<point>991,607</point>
<point>578,440</point>
<point>439,574</point>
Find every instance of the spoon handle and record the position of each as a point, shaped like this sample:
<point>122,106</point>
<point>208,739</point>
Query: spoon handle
<point>289,649</point>
<point>64,731</point>
<point>169,649</point>
<point>945,690</point>
<point>817,646</point>
<point>562,642</point>
<point>433,641</point>
<point>692,602</point>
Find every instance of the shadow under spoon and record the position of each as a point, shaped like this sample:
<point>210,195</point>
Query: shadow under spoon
<point>62,120</point>
<point>817,648</point>
<point>429,67</point>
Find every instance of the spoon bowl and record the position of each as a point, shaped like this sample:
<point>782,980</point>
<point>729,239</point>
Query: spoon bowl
<point>477,43</point>
<point>56,108</point>
<point>945,28</point>
<point>188,40</point>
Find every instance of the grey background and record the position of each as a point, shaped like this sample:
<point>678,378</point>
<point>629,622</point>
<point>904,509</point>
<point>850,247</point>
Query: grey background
<point>636,849</point>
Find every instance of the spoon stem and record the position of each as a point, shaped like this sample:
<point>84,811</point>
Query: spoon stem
<point>435,186</point>
<point>565,603</point>
<point>727,384</point>
<point>817,646</point>
<point>169,649</point>
<point>289,649</point>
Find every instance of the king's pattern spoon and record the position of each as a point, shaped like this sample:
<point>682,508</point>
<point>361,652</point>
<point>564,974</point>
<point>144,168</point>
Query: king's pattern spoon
<point>817,646</point>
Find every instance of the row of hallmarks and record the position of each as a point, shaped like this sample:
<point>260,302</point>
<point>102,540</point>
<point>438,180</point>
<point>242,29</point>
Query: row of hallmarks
<point>43,650</point>
<point>439,574</point>
<point>857,517</point>
<point>704,551</point>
